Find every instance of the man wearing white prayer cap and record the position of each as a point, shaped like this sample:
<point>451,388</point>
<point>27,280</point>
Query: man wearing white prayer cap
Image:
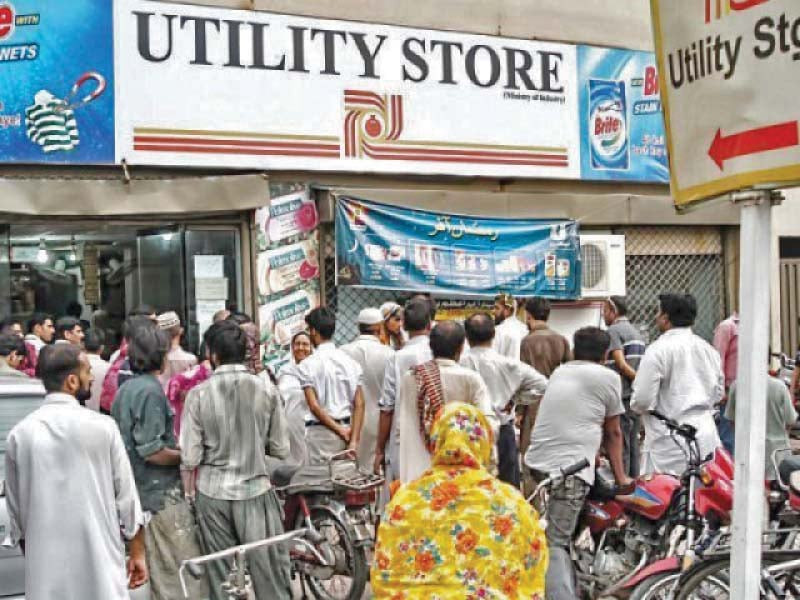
<point>368,351</point>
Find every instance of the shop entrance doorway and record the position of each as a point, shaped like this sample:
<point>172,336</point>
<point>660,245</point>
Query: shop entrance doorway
<point>99,271</point>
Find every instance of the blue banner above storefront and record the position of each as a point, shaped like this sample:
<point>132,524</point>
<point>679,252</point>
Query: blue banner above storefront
<point>56,82</point>
<point>387,247</point>
<point>622,122</point>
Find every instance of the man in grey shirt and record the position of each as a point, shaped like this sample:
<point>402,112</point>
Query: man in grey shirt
<point>579,412</point>
<point>624,354</point>
<point>230,423</point>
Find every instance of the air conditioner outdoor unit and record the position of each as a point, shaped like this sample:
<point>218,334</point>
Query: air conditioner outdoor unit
<point>602,265</point>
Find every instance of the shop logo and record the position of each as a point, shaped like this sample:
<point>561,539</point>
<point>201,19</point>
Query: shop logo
<point>718,9</point>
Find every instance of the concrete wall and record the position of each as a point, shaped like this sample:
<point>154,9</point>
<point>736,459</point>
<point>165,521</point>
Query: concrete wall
<point>622,23</point>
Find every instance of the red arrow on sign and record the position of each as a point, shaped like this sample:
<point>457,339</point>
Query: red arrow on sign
<point>763,139</point>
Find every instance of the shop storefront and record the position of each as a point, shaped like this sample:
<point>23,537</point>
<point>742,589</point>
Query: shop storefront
<point>465,125</point>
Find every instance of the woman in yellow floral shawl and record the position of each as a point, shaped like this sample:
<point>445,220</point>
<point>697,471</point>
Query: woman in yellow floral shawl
<point>457,532</point>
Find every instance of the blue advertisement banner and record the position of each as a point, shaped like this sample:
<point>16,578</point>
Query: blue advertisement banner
<point>56,81</point>
<point>387,247</point>
<point>622,122</point>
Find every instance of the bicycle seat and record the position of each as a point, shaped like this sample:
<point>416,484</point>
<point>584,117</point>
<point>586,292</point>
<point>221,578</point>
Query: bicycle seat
<point>283,474</point>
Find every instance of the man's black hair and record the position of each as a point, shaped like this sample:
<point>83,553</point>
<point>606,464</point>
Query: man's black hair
<point>38,319</point>
<point>240,318</point>
<point>538,308</point>
<point>479,328</point>
<point>417,315</point>
<point>366,329</point>
<point>7,323</point>
<point>426,297</point>
<point>135,322</point>
<point>143,310</point>
<point>65,324</point>
<point>9,342</point>
<point>56,363</point>
<point>619,304</point>
<point>227,343</point>
<point>94,341</point>
<point>591,343</point>
<point>323,320</point>
<point>147,348</point>
<point>74,309</point>
<point>681,309</point>
<point>447,338</point>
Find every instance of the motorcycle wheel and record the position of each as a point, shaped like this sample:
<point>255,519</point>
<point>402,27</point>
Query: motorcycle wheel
<point>656,587</point>
<point>351,572</point>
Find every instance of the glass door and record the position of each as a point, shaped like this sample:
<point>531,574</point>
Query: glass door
<point>160,279</point>
<point>213,281</point>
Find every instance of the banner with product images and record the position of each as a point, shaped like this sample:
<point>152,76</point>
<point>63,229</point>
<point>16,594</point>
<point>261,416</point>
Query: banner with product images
<point>56,82</point>
<point>621,118</point>
<point>387,247</point>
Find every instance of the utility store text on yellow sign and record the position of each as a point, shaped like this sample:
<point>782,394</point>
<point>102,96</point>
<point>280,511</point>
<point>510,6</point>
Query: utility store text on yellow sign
<point>730,82</point>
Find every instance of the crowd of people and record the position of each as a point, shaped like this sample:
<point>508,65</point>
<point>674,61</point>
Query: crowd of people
<point>461,418</point>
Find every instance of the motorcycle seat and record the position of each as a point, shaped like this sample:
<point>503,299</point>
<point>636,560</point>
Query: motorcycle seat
<point>283,474</point>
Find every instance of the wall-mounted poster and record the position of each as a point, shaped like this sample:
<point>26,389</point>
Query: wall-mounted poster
<point>56,82</point>
<point>387,247</point>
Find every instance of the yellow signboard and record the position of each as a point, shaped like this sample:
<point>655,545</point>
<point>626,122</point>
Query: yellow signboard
<point>729,82</point>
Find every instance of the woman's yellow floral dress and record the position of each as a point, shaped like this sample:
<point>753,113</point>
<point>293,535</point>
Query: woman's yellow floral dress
<point>457,532</point>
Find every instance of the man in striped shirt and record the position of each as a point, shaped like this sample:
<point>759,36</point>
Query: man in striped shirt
<point>624,354</point>
<point>230,423</point>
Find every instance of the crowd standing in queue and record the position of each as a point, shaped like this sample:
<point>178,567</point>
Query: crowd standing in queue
<point>461,418</point>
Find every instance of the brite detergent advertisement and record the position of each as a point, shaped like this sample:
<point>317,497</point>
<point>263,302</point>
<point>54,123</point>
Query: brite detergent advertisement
<point>621,118</point>
<point>56,81</point>
<point>387,247</point>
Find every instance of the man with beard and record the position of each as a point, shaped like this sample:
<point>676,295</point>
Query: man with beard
<point>509,331</point>
<point>70,491</point>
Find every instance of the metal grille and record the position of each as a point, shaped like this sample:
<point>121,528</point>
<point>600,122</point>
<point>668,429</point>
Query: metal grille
<point>790,304</point>
<point>675,259</point>
<point>345,300</point>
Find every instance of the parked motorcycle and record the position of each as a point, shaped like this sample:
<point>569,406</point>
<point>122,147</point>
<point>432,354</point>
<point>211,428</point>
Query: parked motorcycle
<point>329,520</point>
<point>624,541</point>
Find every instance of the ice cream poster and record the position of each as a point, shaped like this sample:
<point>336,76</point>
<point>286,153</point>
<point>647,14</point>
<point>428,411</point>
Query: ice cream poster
<point>286,217</point>
<point>56,82</point>
<point>389,247</point>
<point>284,268</point>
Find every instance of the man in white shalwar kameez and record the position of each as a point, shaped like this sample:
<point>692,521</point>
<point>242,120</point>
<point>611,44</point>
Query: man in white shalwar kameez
<point>680,376</point>
<point>450,382</point>
<point>372,356</point>
<point>70,492</point>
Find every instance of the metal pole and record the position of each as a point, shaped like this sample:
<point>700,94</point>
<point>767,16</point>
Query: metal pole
<point>751,392</point>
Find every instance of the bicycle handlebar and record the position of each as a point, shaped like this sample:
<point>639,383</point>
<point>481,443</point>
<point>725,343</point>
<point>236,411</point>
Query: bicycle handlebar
<point>577,467</point>
<point>685,430</point>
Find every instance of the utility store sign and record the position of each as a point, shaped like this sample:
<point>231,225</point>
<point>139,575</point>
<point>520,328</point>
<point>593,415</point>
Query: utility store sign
<point>729,81</point>
<point>212,87</point>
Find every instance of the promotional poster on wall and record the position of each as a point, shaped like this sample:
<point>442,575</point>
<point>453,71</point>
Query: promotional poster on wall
<point>621,118</point>
<point>387,247</point>
<point>56,82</point>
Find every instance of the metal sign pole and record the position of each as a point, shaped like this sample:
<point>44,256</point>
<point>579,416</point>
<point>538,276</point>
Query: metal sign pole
<point>751,391</point>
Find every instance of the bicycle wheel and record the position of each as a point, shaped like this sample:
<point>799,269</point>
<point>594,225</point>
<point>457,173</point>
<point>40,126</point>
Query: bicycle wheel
<point>656,587</point>
<point>350,572</point>
<point>708,580</point>
<point>711,579</point>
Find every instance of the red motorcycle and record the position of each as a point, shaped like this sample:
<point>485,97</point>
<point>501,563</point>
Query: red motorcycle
<point>622,541</point>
